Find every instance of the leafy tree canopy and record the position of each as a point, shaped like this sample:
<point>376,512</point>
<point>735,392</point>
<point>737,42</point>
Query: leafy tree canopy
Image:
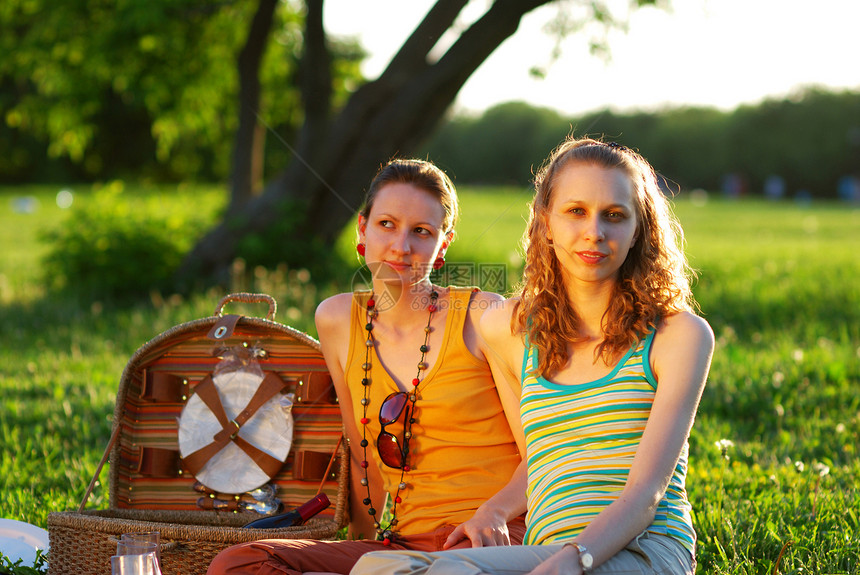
<point>107,82</point>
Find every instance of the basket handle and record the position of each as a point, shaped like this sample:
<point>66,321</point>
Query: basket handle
<point>244,297</point>
<point>330,463</point>
<point>101,464</point>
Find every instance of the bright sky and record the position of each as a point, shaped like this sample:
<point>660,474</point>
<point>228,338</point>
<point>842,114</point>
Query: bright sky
<point>717,53</point>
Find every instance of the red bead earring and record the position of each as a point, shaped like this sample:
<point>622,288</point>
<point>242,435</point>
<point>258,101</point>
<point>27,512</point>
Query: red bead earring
<point>440,261</point>
<point>360,249</point>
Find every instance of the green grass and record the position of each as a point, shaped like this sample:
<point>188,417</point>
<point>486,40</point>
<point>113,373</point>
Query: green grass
<point>778,283</point>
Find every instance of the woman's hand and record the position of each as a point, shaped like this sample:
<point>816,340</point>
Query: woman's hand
<point>486,528</point>
<point>565,562</point>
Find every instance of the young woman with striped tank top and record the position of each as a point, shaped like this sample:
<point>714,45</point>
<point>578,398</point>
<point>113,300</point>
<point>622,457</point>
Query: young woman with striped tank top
<point>610,360</point>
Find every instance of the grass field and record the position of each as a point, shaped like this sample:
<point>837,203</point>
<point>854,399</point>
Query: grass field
<point>774,470</point>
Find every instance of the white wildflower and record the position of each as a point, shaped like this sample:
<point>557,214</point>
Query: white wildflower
<point>723,445</point>
<point>778,378</point>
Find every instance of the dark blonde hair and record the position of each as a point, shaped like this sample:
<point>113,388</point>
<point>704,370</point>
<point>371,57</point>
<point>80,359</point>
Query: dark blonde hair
<point>422,174</point>
<point>653,281</point>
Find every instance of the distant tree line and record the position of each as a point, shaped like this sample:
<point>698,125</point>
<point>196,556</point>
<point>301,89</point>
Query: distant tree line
<point>810,141</point>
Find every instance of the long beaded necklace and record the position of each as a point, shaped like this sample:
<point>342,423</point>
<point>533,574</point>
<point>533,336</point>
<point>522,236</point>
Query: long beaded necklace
<point>386,533</point>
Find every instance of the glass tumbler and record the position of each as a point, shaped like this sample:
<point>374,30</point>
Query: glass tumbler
<point>135,558</point>
<point>141,564</point>
<point>146,537</point>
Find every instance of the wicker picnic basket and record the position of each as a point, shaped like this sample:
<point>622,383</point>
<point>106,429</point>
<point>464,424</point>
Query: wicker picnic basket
<point>150,485</point>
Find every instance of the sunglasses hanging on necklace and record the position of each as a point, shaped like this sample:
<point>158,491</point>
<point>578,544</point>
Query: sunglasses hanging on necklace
<point>389,448</point>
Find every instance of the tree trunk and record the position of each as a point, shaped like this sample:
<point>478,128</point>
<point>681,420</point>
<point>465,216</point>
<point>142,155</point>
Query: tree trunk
<point>250,137</point>
<point>336,160</point>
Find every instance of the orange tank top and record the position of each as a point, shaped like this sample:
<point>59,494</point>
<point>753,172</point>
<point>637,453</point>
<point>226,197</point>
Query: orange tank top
<point>462,450</point>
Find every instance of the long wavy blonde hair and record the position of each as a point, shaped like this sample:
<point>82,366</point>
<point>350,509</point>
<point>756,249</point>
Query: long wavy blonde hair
<point>653,281</point>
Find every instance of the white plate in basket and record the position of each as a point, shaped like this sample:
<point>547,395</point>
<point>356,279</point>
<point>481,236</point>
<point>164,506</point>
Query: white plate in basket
<point>19,540</point>
<point>231,470</point>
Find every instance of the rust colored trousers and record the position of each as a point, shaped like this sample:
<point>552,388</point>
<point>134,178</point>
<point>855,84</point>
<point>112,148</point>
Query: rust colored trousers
<point>297,556</point>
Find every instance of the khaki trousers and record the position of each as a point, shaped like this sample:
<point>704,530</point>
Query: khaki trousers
<point>648,554</point>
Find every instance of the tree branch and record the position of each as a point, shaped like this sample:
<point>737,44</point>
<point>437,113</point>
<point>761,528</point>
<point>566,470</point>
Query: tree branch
<point>414,51</point>
<point>392,117</point>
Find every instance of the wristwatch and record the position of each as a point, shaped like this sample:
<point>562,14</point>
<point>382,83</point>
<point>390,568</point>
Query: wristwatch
<point>586,561</point>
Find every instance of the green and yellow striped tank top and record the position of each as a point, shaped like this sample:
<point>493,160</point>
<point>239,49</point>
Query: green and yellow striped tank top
<point>580,443</point>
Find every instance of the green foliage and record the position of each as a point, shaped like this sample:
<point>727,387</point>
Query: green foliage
<point>502,146</point>
<point>774,467</point>
<point>106,89</point>
<point>118,246</point>
<point>8,567</point>
<point>811,140</point>
<point>267,247</point>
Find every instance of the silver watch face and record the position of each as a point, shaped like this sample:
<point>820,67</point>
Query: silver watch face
<point>586,560</point>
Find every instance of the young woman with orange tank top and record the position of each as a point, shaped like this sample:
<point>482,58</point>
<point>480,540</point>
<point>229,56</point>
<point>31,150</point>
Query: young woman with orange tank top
<point>611,361</point>
<point>427,427</point>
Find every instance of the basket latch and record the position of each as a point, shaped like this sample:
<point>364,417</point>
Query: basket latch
<point>224,327</point>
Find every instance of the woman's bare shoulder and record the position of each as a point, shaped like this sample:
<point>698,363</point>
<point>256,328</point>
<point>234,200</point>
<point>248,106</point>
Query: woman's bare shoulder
<point>684,325</point>
<point>683,334</point>
<point>333,311</point>
<point>496,321</point>
<point>480,302</point>
<point>487,297</point>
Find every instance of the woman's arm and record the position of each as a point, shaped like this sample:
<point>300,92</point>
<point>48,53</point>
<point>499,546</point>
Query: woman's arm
<point>488,526</point>
<point>680,357</point>
<point>333,326</point>
<point>504,352</point>
<point>488,334</point>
